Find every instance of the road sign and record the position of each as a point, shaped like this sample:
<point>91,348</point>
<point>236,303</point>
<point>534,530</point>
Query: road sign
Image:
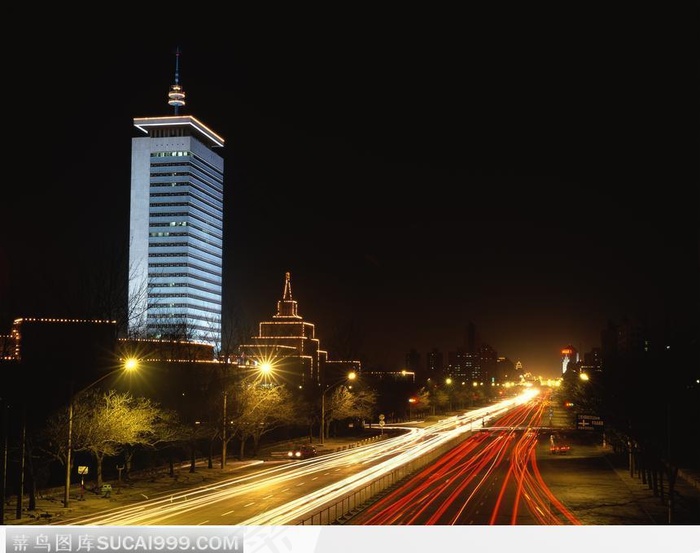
<point>381,423</point>
<point>589,422</point>
<point>381,417</point>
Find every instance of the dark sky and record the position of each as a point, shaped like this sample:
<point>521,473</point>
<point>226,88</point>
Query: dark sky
<point>533,173</point>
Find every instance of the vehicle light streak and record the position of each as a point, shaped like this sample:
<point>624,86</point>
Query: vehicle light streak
<point>376,460</point>
<point>455,486</point>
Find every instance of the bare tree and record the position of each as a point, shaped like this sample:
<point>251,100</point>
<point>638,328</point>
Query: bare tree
<point>236,330</point>
<point>104,423</point>
<point>260,408</point>
<point>136,308</point>
<point>111,292</point>
<point>166,431</point>
<point>463,396</point>
<point>439,398</point>
<point>345,403</point>
<point>424,401</point>
<point>364,404</point>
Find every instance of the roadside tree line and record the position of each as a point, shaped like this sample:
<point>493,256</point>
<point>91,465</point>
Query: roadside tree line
<point>107,424</point>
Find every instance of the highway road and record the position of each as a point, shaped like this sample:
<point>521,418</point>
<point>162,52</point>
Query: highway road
<point>490,478</point>
<point>290,492</point>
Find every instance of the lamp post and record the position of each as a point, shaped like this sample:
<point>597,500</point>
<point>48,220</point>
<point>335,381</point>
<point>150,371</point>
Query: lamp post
<point>448,382</point>
<point>322,431</point>
<point>129,365</point>
<point>411,402</point>
<point>224,438</point>
<point>265,372</point>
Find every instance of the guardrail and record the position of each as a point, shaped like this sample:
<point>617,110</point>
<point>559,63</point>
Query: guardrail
<point>341,447</point>
<point>348,505</point>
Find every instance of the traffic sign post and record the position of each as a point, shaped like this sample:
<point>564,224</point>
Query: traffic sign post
<point>120,468</point>
<point>589,422</point>
<point>82,471</point>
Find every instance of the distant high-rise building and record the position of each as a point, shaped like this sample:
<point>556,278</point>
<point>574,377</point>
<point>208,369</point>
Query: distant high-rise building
<point>434,362</point>
<point>592,360</point>
<point>569,355</point>
<point>461,364</point>
<point>488,361</point>
<point>413,364</point>
<point>465,363</point>
<point>176,227</point>
<point>505,370</point>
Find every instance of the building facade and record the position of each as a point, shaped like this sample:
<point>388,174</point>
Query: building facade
<point>569,357</point>
<point>176,227</point>
<point>289,344</point>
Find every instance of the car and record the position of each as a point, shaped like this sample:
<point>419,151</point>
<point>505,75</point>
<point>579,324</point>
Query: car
<point>302,451</point>
<point>559,448</point>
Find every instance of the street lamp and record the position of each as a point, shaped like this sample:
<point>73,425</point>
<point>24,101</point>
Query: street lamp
<point>448,382</point>
<point>411,402</point>
<point>130,364</point>
<point>265,372</point>
<point>322,431</point>
<point>266,369</point>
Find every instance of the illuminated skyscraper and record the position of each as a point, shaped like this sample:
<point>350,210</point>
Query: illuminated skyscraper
<point>176,227</point>
<point>569,355</point>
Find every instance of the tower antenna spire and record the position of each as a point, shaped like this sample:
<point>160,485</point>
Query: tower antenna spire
<point>287,294</point>
<point>287,307</point>
<point>176,96</point>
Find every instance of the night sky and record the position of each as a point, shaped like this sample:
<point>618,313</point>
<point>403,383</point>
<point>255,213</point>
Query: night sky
<point>531,173</point>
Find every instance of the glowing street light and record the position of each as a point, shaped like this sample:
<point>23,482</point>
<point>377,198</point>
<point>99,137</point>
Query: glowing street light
<point>265,372</point>
<point>322,432</point>
<point>411,402</point>
<point>266,368</point>
<point>130,364</point>
<point>448,383</point>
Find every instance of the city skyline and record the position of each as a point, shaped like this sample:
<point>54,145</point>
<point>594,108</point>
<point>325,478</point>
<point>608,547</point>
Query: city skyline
<point>409,191</point>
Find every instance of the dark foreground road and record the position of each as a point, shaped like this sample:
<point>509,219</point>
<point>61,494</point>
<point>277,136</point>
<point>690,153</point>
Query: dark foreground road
<point>590,480</point>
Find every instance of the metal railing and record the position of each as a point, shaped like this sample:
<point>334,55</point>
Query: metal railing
<point>346,506</point>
